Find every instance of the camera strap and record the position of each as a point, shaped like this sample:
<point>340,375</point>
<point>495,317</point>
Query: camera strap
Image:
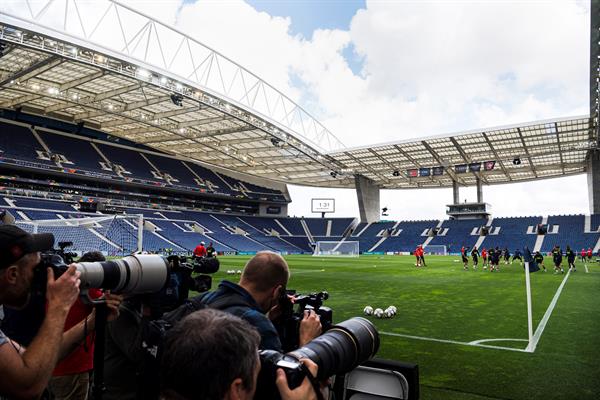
<point>315,384</point>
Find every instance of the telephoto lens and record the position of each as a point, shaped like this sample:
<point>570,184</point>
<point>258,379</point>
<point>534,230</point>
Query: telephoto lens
<point>342,348</point>
<point>136,274</point>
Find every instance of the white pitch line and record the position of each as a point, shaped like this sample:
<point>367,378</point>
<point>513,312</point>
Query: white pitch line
<point>498,340</point>
<point>540,329</point>
<point>487,346</point>
<point>586,269</point>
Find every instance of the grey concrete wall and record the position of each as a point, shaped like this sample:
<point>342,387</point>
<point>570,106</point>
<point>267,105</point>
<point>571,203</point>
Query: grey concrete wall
<point>368,199</point>
<point>479,191</point>
<point>262,210</point>
<point>455,193</point>
<point>593,178</point>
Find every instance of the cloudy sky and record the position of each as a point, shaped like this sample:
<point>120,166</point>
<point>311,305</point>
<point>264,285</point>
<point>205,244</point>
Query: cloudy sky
<point>379,71</point>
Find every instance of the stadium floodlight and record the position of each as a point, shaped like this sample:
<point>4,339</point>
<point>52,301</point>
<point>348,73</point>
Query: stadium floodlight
<point>177,99</point>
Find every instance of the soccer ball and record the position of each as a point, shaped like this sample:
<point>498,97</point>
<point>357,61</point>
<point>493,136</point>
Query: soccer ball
<point>393,308</point>
<point>228,272</point>
<point>368,310</point>
<point>388,313</point>
<point>378,313</point>
<point>239,272</point>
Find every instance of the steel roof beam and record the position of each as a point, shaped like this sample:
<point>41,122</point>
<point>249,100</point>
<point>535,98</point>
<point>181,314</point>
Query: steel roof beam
<point>440,161</point>
<point>502,166</point>
<point>33,70</point>
<point>559,147</point>
<point>527,152</point>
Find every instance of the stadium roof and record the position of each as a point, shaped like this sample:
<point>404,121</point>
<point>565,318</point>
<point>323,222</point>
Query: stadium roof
<point>148,83</point>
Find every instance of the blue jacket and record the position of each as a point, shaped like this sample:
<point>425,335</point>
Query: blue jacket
<point>245,307</point>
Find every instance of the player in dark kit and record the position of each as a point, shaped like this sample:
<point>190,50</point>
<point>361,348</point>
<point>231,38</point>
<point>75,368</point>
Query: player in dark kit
<point>557,259</point>
<point>571,259</point>
<point>475,256</point>
<point>494,259</point>
<point>506,255</point>
<point>465,259</point>
<point>539,260</point>
<point>517,256</point>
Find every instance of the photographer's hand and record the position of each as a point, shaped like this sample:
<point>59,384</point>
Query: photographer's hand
<point>310,327</point>
<point>113,301</point>
<point>62,292</point>
<point>303,392</point>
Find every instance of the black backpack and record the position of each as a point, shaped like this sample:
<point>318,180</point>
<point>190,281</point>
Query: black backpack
<point>155,332</point>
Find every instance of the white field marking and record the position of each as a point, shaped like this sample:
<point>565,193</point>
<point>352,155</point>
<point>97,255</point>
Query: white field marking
<point>586,268</point>
<point>487,346</point>
<point>542,325</point>
<point>497,340</point>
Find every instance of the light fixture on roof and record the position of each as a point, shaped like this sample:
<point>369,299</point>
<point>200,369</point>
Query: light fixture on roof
<point>516,161</point>
<point>275,142</point>
<point>35,86</point>
<point>333,174</point>
<point>74,96</point>
<point>177,99</point>
<point>110,106</point>
<point>396,173</point>
<point>143,73</point>
<point>53,90</point>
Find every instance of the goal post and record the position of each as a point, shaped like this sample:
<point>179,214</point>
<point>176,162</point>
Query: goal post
<point>113,235</point>
<point>336,249</point>
<point>439,250</point>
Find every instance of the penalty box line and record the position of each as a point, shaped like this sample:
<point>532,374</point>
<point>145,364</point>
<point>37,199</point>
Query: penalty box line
<point>472,344</point>
<point>529,349</point>
<point>542,325</point>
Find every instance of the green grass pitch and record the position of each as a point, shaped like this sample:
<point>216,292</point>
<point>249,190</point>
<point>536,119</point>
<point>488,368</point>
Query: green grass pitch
<point>447,308</point>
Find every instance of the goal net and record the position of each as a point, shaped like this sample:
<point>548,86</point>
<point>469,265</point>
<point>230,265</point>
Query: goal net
<point>439,250</point>
<point>113,235</point>
<point>336,249</point>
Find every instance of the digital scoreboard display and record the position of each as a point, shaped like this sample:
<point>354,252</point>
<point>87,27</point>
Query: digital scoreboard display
<point>323,205</point>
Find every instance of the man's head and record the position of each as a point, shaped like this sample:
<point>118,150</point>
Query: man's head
<point>19,254</point>
<point>210,354</point>
<point>265,276</point>
<point>92,256</point>
<point>201,243</point>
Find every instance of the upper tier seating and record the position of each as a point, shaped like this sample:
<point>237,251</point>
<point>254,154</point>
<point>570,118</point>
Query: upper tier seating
<point>409,236</point>
<point>458,234</point>
<point>79,152</point>
<point>131,160</point>
<point>570,233</point>
<point>512,234</point>
<point>175,168</point>
<point>17,142</point>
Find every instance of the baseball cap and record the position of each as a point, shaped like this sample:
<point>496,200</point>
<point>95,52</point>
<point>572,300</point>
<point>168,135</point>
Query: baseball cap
<point>15,243</point>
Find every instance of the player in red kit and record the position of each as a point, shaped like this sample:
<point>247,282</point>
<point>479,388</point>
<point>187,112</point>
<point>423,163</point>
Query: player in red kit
<point>200,250</point>
<point>484,256</point>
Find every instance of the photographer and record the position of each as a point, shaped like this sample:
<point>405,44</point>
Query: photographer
<point>261,287</point>
<point>71,377</point>
<point>213,355</point>
<point>24,373</point>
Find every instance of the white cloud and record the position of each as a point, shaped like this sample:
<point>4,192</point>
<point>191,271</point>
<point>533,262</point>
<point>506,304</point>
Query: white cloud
<point>429,68</point>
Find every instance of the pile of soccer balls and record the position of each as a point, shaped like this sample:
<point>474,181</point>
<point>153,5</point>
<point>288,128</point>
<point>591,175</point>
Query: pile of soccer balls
<point>389,312</point>
<point>234,272</point>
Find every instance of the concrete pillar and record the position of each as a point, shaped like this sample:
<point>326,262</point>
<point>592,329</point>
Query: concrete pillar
<point>455,192</point>
<point>593,178</point>
<point>479,191</point>
<point>368,199</point>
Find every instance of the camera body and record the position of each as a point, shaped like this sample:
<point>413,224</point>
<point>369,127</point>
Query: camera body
<point>293,306</point>
<point>338,351</point>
